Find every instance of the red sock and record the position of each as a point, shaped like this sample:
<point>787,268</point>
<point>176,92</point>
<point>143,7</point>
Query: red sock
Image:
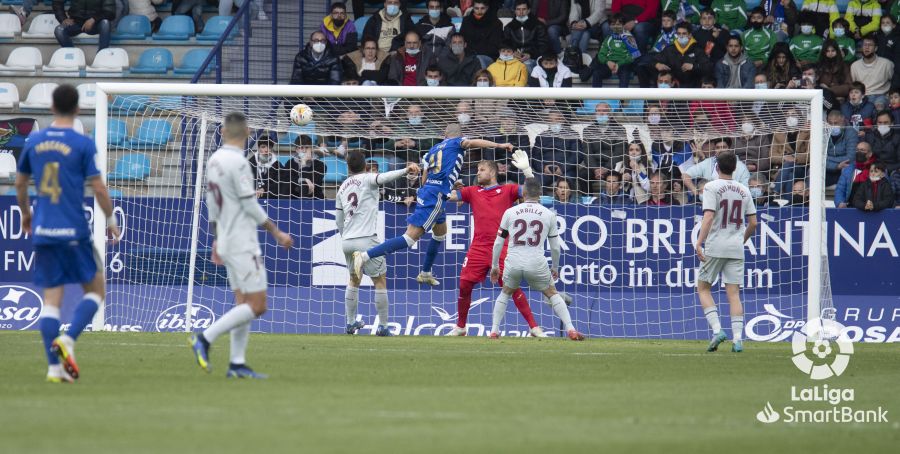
<point>522,305</point>
<point>463,302</point>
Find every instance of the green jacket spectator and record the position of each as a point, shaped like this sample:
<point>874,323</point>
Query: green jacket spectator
<point>806,47</point>
<point>688,10</point>
<point>758,43</point>
<point>619,49</point>
<point>731,13</point>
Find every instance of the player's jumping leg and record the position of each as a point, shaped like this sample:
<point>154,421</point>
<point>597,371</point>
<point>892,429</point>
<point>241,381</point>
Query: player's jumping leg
<point>49,327</point>
<point>737,316</point>
<point>704,291</point>
<point>438,235</point>
<point>408,239</point>
<point>562,311</point>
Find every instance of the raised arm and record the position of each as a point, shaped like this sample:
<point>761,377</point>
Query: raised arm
<point>481,143</point>
<point>388,177</point>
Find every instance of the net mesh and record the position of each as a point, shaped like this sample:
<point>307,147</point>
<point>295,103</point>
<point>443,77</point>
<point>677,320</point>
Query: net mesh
<point>627,260</point>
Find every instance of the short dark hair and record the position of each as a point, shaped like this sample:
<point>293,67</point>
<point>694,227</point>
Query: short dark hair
<point>727,162</point>
<point>880,165</point>
<point>758,10</point>
<point>685,26</point>
<point>736,38</point>
<point>670,14</point>
<point>884,112</point>
<point>356,161</point>
<point>338,5</point>
<point>709,80</point>
<point>613,173</point>
<point>841,21</point>
<point>65,100</point>
<point>434,69</point>
<point>303,140</point>
<point>491,164</point>
<point>857,85</point>
<point>615,18</point>
<point>727,141</point>
<point>523,2</point>
<point>532,188</point>
<point>549,56</point>
<point>871,37</point>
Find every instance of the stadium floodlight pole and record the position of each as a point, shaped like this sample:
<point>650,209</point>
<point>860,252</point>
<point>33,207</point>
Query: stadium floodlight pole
<point>99,220</point>
<point>816,225</point>
<point>195,223</point>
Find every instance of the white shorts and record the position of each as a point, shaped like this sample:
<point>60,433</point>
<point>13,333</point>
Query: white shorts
<point>538,276</point>
<point>372,268</point>
<point>732,270</point>
<point>246,272</point>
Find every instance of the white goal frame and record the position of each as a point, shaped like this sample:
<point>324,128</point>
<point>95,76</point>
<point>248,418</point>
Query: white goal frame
<point>816,221</point>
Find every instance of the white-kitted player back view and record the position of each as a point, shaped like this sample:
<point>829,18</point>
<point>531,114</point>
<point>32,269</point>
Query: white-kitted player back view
<point>528,226</point>
<point>720,247</point>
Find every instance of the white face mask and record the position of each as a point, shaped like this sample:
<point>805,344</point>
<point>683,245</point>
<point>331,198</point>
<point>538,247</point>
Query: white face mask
<point>884,129</point>
<point>482,83</point>
<point>887,29</point>
<point>318,47</point>
<point>806,29</point>
<point>756,192</point>
<point>874,178</point>
<point>792,122</point>
<point>432,82</point>
<point>463,118</point>
<point>762,86</point>
<point>522,18</point>
<point>654,119</point>
<point>748,128</point>
<point>555,128</point>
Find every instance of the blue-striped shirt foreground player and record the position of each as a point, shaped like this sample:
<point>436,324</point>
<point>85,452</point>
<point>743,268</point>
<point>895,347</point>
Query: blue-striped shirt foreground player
<point>440,170</point>
<point>61,161</point>
<point>234,215</point>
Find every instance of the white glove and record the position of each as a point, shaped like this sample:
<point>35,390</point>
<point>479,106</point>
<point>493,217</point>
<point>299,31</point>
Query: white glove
<point>520,160</point>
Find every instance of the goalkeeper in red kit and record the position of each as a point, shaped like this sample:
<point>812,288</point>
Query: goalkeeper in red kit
<point>489,201</point>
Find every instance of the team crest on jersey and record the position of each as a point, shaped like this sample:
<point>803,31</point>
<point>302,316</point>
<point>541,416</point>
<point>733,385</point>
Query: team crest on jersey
<point>328,264</point>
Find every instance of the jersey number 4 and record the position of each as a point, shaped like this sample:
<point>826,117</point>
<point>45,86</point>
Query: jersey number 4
<point>50,182</point>
<point>521,228</point>
<point>735,216</point>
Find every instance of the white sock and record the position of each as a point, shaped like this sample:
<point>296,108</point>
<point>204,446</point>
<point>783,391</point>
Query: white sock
<point>238,315</point>
<point>499,311</point>
<point>351,302</point>
<point>561,311</point>
<point>240,335</point>
<point>381,305</point>
<point>409,241</point>
<point>712,316</point>
<point>737,327</point>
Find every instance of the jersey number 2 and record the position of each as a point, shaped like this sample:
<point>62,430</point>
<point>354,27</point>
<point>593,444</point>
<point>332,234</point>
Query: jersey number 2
<point>735,216</point>
<point>521,226</point>
<point>50,182</point>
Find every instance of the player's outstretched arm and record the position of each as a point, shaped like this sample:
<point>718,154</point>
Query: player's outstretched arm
<point>388,177</point>
<point>481,143</point>
<point>751,227</point>
<point>22,199</point>
<point>520,160</point>
<point>101,193</point>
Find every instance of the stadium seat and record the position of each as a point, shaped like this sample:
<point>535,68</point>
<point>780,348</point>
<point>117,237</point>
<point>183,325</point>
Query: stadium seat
<point>23,61</point>
<point>547,200</point>
<point>336,169</point>
<point>133,27</point>
<point>66,61</point>
<point>633,107</point>
<point>415,18</point>
<point>284,159</point>
<point>129,104</point>
<point>170,102</point>
<point>112,61</point>
<point>87,96</point>
<point>9,25</point>
<point>131,167</point>
<point>115,193</point>
<point>152,133</point>
<point>40,96</point>
<point>7,165</point>
<point>288,138</point>
<point>41,26</point>
<point>587,108</point>
<point>215,27</point>
<point>505,21</point>
<point>384,164</point>
<point>116,131</point>
<point>360,23</point>
<point>457,22</point>
<point>153,61</point>
<point>175,28</point>
<point>192,60</point>
<point>9,95</point>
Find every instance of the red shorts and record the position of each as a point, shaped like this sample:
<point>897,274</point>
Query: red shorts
<point>477,265</point>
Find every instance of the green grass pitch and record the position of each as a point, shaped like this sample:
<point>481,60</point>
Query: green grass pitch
<point>336,394</point>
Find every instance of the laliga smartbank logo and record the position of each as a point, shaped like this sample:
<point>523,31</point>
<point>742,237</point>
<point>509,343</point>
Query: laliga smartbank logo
<point>821,350</point>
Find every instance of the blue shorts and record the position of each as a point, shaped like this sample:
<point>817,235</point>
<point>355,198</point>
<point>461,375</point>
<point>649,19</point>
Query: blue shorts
<point>65,263</point>
<point>429,208</point>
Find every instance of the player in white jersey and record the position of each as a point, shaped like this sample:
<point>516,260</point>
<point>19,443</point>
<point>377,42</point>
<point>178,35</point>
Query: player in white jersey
<point>720,247</point>
<point>531,225</point>
<point>357,219</point>
<point>234,215</point>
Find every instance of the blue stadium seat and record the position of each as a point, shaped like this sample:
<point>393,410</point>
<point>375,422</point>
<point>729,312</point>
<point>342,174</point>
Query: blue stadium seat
<point>420,5</point>
<point>284,159</point>
<point>170,102</point>
<point>633,107</point>
<point>154,61</point>
<point>175,28</point>
<point>457,22</point>
<point>116,131</point>
<point>590,104</point>
<point>192,60</point>
<point>336,170</point>
<point>131,167</point>
<point>115,193</point>
<point>360,23</point>
<point>150,134</point>
<point>133,27</point>
<point>415,18</point>
<point>215,27</point>
<point>293,132</point>
<point>129,104</point>
<point>547,200</point>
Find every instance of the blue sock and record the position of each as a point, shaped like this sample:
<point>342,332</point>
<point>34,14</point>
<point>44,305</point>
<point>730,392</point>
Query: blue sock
<point>433,247</point>
<point>84,313</point>
<point>389,246</point>
<point>49,331</point>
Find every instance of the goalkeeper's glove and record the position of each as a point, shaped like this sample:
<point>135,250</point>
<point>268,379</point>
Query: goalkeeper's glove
<point>520,160</point>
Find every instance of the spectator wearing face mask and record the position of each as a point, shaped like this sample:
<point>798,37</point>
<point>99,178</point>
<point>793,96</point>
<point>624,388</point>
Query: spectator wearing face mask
<point>410,146</point>
<point>403,190</point>
<point>759,190</point>
<point>875,72</point>
<point>316,64</point>
<point>885,141</point>
<point>758,39</point>
<point>458,63</point>
<point>833,71</point>
<point>806,45</point>
<point>847,45</point>
<point>408,65</point>
<point>606,143</point>
<point>527,35</point>
<point>752,146</point>
<point>635,169</point>
<point>340,31</point>
<point>557,151</point>
<point>434,77</point>
<point>888,37</point>
<point>616,55</point>
<point>824,12</point>
<point>684,58</point>
<point>305,173</point>
<point>266,169</point>
<point>613,192</point>
<point>841,148</point>
<point>508,71</point>
<point>669,154</point>
<point>550,72</point>
<point>876,193</point>
<point>853,175</point>
<point>388,26</point>
<point>799,194</point>
<point>433,27</point>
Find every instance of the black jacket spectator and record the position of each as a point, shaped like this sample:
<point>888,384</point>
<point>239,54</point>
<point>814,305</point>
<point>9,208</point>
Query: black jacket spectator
<point>606,146</point>
<point>717,45</point>
<point>880,193</point>
<point>483,35</point>
<point>889,47</point>
<point>557,12</point>
<point>269,183</point>
<point>458,73</point>
<point>886,148</point>
<point>82,10</point>
<point>529,37</point>
<point>375,23</point>
<point>308,70</point>
<point>424,27</point>
<point>693,54</point>
<point>306,181</point>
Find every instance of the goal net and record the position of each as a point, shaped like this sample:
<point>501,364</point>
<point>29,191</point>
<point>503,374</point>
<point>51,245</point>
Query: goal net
<point>616,165</point>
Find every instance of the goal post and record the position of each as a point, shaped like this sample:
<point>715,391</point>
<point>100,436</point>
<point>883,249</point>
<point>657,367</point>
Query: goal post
<point>174,249</point>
